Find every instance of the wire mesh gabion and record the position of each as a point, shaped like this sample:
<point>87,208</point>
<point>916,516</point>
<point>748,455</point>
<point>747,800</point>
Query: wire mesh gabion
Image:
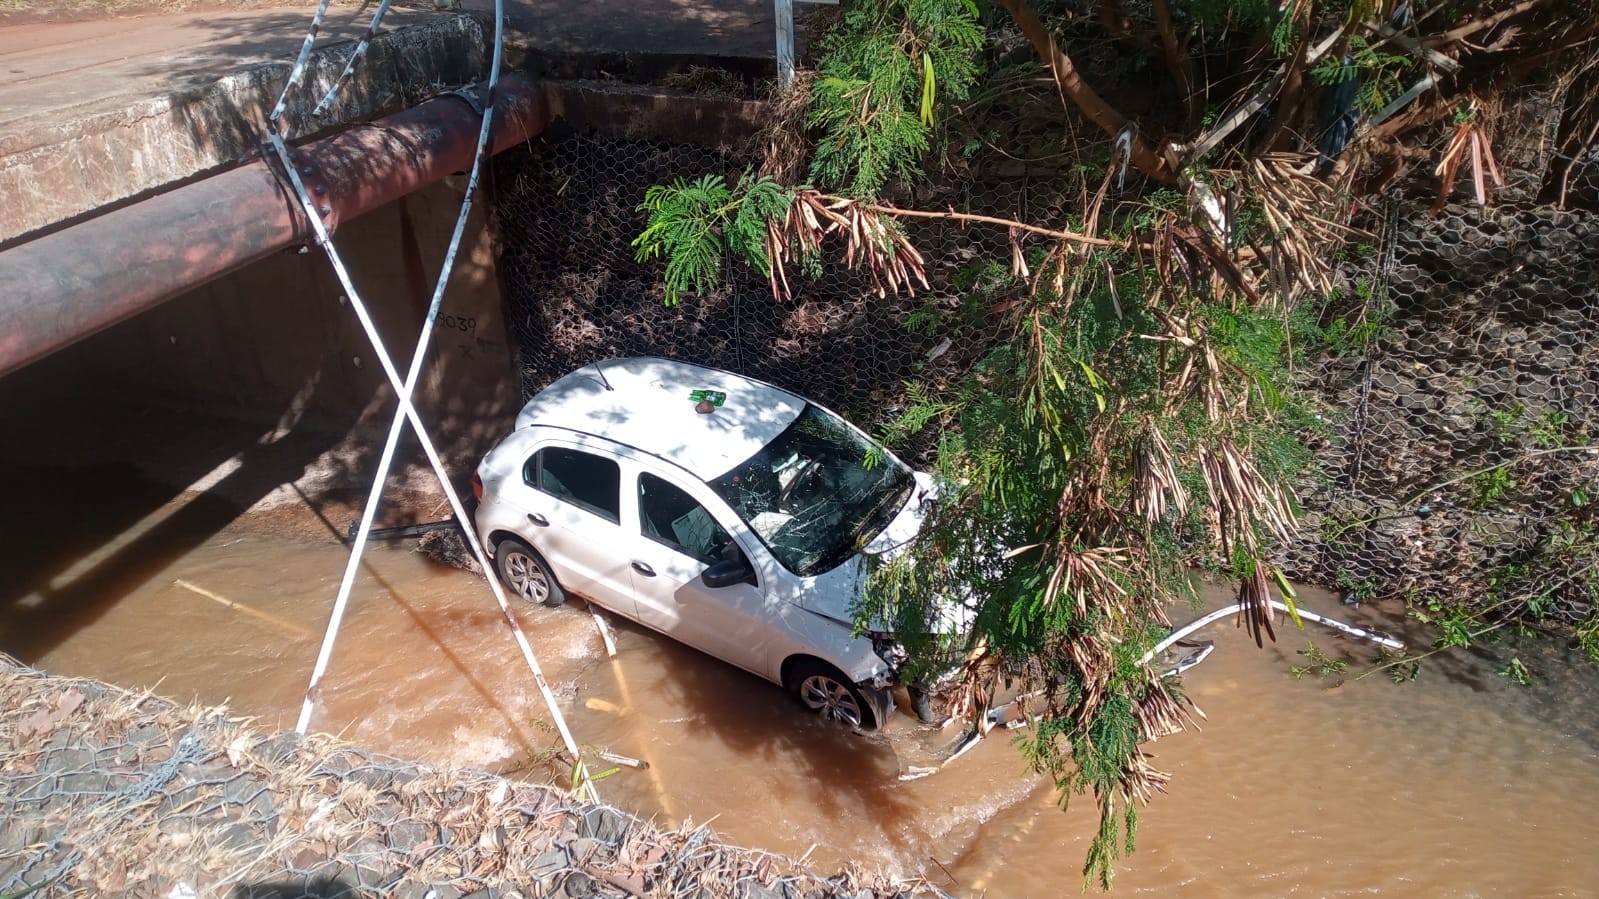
<point>1452,453</point>
<point>1459,465</point>
<point>568,213</point>
<point>112,792</point>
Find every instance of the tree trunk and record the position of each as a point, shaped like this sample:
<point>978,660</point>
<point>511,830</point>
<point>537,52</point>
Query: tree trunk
<point>1073,87</point>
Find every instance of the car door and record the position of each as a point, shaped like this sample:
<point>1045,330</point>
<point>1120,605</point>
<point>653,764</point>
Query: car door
<point>677,537</point>
<point>572,497</point>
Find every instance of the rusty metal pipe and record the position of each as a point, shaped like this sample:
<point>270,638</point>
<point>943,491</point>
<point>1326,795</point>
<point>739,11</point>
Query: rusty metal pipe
<point>67,285</point>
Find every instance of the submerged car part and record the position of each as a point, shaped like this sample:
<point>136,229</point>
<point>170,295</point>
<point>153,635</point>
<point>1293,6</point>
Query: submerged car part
<point>1197,652</point>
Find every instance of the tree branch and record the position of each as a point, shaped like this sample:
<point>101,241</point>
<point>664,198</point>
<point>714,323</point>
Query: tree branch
<point>1116,24</point>
<point>1254,104</point>
<point>1180,64</point>
<point>1072,87</point>
<point>1477,25</point>
<point>1070,236</point>
<point>1293,93</point>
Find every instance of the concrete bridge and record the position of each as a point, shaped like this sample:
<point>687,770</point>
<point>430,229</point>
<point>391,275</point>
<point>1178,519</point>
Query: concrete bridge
<point>150,256</point>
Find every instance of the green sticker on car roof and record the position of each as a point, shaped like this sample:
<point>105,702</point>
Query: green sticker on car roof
<point>716,397</point>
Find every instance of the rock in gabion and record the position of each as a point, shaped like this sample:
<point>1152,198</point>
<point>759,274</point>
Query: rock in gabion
<point>105,791</point>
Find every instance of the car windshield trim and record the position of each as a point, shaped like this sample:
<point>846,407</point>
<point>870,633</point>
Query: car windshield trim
<point>817,493</point>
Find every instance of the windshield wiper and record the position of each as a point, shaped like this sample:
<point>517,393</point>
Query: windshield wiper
<point>876,520</point>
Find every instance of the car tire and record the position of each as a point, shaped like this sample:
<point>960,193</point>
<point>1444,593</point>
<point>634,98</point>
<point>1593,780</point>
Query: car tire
<point>826,691</point>
<point>525,574</point>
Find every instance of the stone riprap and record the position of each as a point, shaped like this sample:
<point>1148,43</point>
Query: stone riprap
<point>105,791</point>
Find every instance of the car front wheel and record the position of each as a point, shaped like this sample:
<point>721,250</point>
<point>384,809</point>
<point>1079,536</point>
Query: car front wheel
<point>825,690</point>
<point>525,573</point>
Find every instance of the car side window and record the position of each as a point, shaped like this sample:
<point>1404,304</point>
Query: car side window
<point>586,480</point>
<point>670,516</point>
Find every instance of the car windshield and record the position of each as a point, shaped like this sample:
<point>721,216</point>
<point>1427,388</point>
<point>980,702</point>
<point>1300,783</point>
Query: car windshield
<point>817,493</point>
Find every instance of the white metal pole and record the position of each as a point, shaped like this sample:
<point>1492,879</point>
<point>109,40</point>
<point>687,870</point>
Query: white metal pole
<point>297,71</point>
<point>407,411</point>
<point>785,42</point>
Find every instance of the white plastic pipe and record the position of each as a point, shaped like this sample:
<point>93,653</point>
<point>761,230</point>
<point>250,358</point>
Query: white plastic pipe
<point>1349,629</point>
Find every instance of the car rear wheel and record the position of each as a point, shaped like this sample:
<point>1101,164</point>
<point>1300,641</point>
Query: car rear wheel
<point>525,573</point>
<point>826,691</point>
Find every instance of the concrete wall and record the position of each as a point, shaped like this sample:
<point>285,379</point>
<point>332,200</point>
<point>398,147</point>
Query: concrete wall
<point>153,110</point>
<point>276,350</point>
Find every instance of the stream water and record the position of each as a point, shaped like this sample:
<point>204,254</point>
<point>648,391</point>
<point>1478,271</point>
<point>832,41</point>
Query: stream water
<point>1460,783</point>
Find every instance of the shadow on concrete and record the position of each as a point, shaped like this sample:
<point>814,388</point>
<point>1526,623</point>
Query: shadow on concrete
<point>253,383</point>
<point>98,496</point>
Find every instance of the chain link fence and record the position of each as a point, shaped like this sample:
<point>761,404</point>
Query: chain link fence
<point>1461,462</point>
<point>1458,390</point>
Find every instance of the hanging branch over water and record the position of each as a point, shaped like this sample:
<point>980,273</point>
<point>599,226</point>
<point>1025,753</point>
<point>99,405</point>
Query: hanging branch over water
<point>1136,417</point>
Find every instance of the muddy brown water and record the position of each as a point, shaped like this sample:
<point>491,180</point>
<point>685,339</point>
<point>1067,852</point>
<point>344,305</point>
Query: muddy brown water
<point>1458,784</point>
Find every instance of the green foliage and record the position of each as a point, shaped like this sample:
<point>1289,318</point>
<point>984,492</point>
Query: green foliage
<point>1455,628</point>
<point>1516,672</point>
<point>1490,486</point>
<point>1317,663</point>
<point>694,224</point>
<point>1377,69</point>
<point>1587,634</point>
<point>1403,671</point>
<point>1339,325</point>
<point>1504,422</point>
<point>1549,429</point>
<point>1362,589</point>
<point>1021,442</point>
<point>886,67</point>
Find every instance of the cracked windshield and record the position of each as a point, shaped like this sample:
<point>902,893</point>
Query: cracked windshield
<point>873,449</point>
<point>817,493</point>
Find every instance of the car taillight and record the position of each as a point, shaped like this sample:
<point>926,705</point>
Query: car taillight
<point>477,485</point>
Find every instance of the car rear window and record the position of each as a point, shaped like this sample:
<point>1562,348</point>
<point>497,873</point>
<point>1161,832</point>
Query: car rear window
<point>580,478</point>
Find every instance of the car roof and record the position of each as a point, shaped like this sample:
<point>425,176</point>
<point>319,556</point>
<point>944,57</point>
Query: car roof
<point>648,407</point>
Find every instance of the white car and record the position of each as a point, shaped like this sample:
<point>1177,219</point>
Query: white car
<point>726,513</point>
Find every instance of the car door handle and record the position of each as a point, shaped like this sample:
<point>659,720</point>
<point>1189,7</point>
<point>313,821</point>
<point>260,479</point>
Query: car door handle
<point>643,569</point>
<point>538,519</point>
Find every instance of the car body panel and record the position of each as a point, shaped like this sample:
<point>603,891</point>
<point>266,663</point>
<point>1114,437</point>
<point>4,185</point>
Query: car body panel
<point>646,422</point>
<point>647,405</point>
<point>733,622</point>
<point>573,541</point>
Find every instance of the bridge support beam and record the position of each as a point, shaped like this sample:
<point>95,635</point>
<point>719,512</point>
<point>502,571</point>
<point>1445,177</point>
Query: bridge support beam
<point>67,285</point>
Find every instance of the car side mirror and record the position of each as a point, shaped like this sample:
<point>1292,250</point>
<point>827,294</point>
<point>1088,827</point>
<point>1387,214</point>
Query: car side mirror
<point>728,572</point>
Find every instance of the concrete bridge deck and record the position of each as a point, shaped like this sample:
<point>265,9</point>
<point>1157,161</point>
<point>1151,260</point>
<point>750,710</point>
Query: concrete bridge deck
<point>96,113</point>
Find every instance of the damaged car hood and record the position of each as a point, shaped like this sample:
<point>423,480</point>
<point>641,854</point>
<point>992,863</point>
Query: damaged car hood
<point>834,594</point>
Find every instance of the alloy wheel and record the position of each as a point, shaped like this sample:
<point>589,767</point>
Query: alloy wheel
<point>525,577</point>
<point>831,699</point>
